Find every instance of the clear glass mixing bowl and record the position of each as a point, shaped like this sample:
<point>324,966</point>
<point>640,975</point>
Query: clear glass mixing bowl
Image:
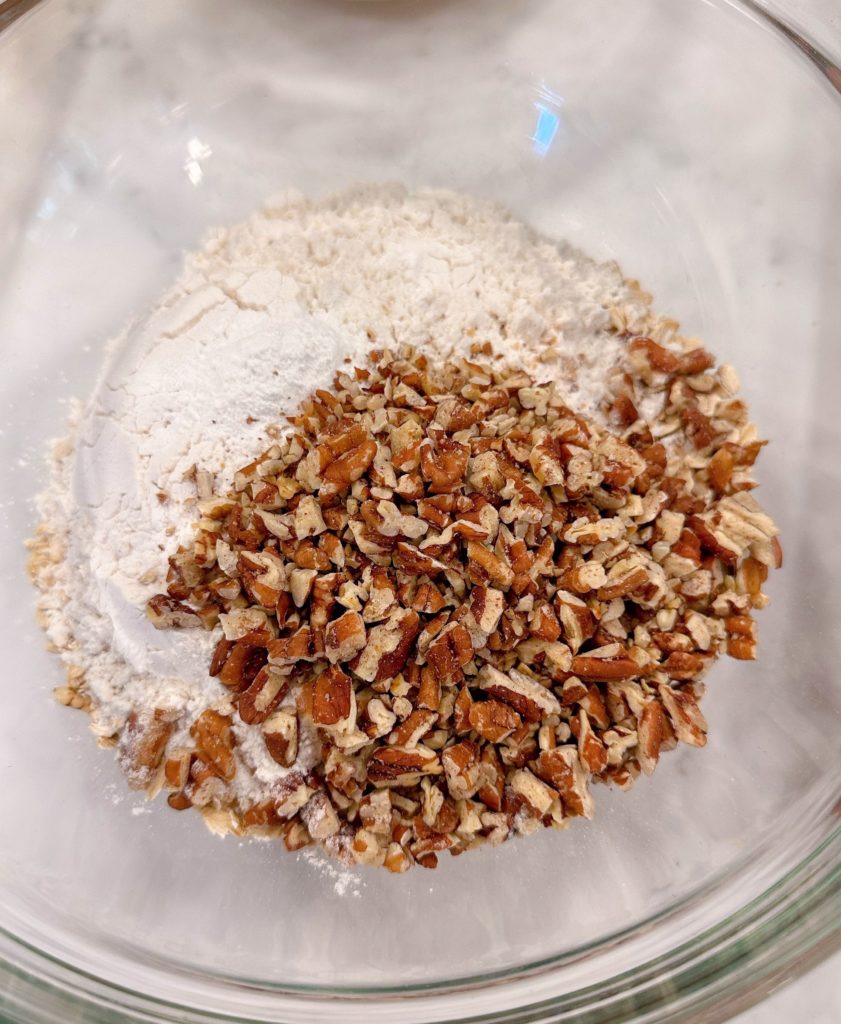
<point>699,144</point>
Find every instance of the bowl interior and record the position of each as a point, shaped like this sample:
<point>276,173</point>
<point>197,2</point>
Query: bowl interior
<point>687,141</point>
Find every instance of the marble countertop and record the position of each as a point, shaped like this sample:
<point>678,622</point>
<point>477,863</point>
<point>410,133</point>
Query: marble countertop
<point>152,234</point>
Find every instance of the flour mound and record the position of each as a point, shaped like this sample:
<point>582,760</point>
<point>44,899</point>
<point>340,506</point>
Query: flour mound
<point>267,311</point>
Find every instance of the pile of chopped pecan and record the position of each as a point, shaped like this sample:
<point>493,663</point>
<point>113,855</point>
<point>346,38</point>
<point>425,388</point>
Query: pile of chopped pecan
<point>478,599</point>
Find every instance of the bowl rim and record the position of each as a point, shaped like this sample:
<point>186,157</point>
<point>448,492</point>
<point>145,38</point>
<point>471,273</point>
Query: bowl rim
<point>776,937</point>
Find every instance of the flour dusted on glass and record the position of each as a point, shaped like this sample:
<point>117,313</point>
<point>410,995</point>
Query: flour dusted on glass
<point>267,311</point>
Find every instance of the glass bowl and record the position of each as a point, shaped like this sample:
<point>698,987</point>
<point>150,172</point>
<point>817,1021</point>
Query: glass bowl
<point>699,144</point>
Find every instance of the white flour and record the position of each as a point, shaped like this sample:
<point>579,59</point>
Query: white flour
<point>267,311</point>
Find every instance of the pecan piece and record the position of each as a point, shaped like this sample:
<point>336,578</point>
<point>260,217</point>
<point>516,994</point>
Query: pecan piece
<point>280,732</point>
<point>241,665</point>
<point>319,816</point>
<point>463,770</point>
<point>212,734</point>
<point>443,465</point>
<point>527,697</point>
<point>166,613</point>
<point>142,745</point>
<point>412,729</point>
<point>604,669</point>
<point>388,647</point>
<point>536,794</point>
<point>382,597</point>
<point>344,637</point>
<point>686,717</point>
<point>493,720</point>
<point>449,653</point>
<point>333,697</point>
<point>303,645</point>
<point>741,637</point>
<point>651,728</point>
<point>483,567</point>
<point>561,768</point>
<point>399,767</point>
<point>263,695</point>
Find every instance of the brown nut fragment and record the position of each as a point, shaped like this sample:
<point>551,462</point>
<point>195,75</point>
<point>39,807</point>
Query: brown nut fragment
<point>263,695</point>
<point>463,769</point>
<point>304,644</point>
<point>561,768</point>
<point>388,647</point>
<point>166,613</point>
<point>604,669</point>
<point>461,711</point>
<point>591,750</point>
<point>375,812</point>
<point>443,465</point>
<point>682,666</point>
<point>177,768</point>
<point>484,567</point>
<point>333,697</point>
<point>410,559</point>
<point>493,720</point>
<point>486,608</point>
<point>536,794</point>
<point>339,475</point>
<point>428,599</point>
<point>741,637</point>
<point>320,817</point>
<point>413,729</point>
<point>686,717</point>
<point>647,355</point>
<point>242,664</point>
<point>383,596</point>
<point>344,637</point>
<point>527,697</point>
<point>544,623</point>
<point>291,793</point>
<point>651,731</point>
<point>578,622</point>
<point>142,745</point>
<point>280,732</point>
<point>212,734</point>
<point>720,470</point>
<point>400,767</point>
<point>449,653</point>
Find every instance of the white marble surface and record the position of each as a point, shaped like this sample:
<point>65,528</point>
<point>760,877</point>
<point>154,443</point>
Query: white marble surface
<point>138,136</point>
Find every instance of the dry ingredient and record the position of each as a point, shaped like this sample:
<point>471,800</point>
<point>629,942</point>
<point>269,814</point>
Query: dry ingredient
<point>481,600</point>
<point>451,594</point>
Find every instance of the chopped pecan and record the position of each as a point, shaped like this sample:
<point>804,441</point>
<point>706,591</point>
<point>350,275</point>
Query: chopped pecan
<point>388,647</point>
<point>166,613</point>
<point>332,697</point>
<point>493,720</point>
<point>400,767</point>
<point>484,567</point>
<point>605,669</point>
<point>142,745</point>
<point>527,697</point>
<point>686,717</point>
<point>280,732</point>
<point>212,734</point>
<point>413,729</point>
<point>344,637</point>
<point>561,768</point>
<point>449,653</point>
<point>263,695</point>
<point>303,645</point>
<point>443,463</point>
